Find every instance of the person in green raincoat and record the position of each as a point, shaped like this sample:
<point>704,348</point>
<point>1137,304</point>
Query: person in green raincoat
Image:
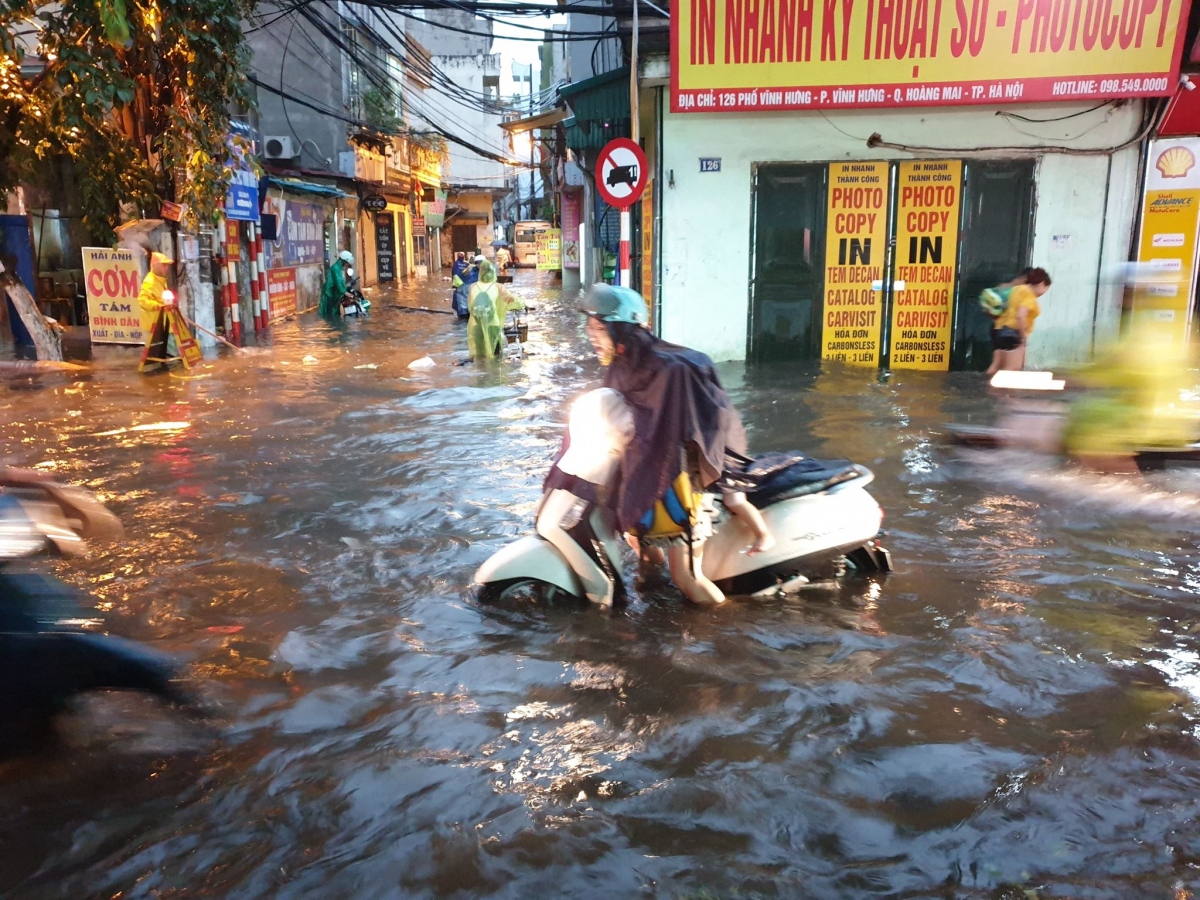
<point>335,285</point>
<point>488,303</point>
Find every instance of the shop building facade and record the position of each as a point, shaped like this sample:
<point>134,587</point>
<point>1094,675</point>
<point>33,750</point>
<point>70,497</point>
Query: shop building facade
<point>840,181</point>
<point>755,208</point>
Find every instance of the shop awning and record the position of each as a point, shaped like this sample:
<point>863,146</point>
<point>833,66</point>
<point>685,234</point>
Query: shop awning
<point>529,123</point>
<point>304,187</point>
<point>600,108</point>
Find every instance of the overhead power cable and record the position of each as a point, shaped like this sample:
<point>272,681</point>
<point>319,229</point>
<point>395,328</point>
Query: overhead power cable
<point>333,114</point>
<point>383,82</point>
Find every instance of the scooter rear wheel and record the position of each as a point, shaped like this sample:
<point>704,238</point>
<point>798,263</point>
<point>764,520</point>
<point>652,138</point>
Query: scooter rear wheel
<point>528,590</point>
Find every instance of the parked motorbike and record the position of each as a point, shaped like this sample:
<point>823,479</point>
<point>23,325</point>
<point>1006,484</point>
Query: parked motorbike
<point>353,301</point>
<point>50,649</point>
<point>824,521</point>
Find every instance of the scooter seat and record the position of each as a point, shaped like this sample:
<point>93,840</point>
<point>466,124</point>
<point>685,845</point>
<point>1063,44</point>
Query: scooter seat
<point>810,476</point>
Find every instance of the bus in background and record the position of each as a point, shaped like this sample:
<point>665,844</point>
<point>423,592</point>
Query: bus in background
<point>525,243</point>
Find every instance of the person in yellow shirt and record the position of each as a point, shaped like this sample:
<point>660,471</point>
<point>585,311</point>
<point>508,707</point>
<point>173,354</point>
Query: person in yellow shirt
<point>150,298</point>
<point>1011,329</point>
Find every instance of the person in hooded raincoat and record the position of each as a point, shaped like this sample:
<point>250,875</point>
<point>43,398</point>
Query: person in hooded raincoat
<point>151,301</point>
<point>459,269</point>
<point>461,300</point>
<point>685,426</point>
<point>335,285</point>
<point>488,303</point>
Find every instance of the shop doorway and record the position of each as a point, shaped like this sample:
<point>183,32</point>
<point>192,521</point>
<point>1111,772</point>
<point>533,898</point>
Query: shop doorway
<point>957,228</point>
<point>996,243</point>
<point>787,260</point>
<point>465,239</point>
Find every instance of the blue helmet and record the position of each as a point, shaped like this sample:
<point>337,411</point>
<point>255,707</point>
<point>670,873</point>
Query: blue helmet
<point>610,303</point>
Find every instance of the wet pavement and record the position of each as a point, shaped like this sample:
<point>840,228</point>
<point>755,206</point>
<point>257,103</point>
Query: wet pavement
<point>1014,708</point>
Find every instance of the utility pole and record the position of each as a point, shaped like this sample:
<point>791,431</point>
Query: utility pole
<point>532,137</point>
<point>626,273</point>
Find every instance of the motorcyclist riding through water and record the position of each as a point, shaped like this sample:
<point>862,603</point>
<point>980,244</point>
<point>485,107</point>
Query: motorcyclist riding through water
<point>684,426</point>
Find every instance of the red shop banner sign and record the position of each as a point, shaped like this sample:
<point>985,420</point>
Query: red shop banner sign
<point>281,291</point>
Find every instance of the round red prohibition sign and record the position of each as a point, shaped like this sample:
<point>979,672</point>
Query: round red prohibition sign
<point>621,173</point>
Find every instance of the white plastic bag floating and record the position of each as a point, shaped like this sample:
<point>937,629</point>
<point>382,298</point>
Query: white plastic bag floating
<point>310,360</point>
<point>425,362</point>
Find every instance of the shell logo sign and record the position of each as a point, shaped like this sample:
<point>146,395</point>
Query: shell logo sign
<point>1175,162</point>
<point>1169,245</point>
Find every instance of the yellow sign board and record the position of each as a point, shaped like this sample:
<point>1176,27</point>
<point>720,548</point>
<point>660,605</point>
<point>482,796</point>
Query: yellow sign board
<point>549,249</point>
<point>1167,246</point>
<point>855,246</point>
<point>647,283</point>
<point>112,281</point>
<point>927,203</point>
<point>752,55</point>
<point>170,324</point>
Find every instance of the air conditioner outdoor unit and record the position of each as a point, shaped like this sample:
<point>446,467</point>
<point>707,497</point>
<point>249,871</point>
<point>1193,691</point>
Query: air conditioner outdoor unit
<point>280,146</point>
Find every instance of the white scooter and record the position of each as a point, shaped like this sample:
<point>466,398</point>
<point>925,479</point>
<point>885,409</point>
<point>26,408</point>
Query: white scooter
<point>821,515</point>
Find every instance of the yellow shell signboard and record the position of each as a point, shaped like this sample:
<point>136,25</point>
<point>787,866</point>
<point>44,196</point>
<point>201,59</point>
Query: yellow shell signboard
<point>750,55</point>
<point>1168,243</point>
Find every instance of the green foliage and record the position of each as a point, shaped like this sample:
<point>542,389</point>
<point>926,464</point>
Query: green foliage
<point>380,112</point>
<point>136,93</point>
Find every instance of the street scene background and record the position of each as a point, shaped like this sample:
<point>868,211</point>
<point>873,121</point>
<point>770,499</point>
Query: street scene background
<point>1013,706</point>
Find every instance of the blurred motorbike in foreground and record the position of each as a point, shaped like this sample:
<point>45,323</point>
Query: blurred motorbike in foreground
<point>51,649</point>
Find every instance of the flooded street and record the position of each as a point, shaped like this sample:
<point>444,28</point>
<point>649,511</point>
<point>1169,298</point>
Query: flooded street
<point>1014,706</point>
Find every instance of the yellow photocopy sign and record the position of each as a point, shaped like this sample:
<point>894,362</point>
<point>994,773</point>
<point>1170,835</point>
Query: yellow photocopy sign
<point>855,245</point>
<point>927,203</point>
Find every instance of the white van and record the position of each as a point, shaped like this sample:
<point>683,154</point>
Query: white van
<point>525,243</point>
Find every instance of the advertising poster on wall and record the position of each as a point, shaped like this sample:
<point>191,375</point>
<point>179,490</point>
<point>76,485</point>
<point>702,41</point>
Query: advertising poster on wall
<point>855,248</point>
<point>1168,243</point>
<point>303,234</point>
<point>570,230</point>
<point>385,245</point>
<point>434,211</point>
<point>549,249</point>
<point>112,281</point>
<point>927,202</point>
<point>740,55</point>
<point>281,293</point>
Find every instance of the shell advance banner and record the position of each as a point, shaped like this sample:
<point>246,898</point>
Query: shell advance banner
<point>746,55</point>
<point>1167,247</point>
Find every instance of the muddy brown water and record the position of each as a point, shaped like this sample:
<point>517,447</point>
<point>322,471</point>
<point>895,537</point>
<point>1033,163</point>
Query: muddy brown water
<point>1013,708</point>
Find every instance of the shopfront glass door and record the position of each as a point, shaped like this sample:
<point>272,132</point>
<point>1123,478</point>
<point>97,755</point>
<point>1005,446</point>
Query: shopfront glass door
<point>996,243</point>
<point>788,259</point>
<point>956,227</point>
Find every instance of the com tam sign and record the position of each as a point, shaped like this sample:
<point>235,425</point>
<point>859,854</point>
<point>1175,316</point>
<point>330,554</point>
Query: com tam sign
<point>112,281</point>
<point>746,55</point>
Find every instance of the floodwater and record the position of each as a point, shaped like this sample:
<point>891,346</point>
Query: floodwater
<point>1013,710</point>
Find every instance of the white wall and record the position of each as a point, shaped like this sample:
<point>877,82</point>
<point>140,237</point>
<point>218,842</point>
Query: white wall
<point>706,218</point>
<point>470,122</point>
